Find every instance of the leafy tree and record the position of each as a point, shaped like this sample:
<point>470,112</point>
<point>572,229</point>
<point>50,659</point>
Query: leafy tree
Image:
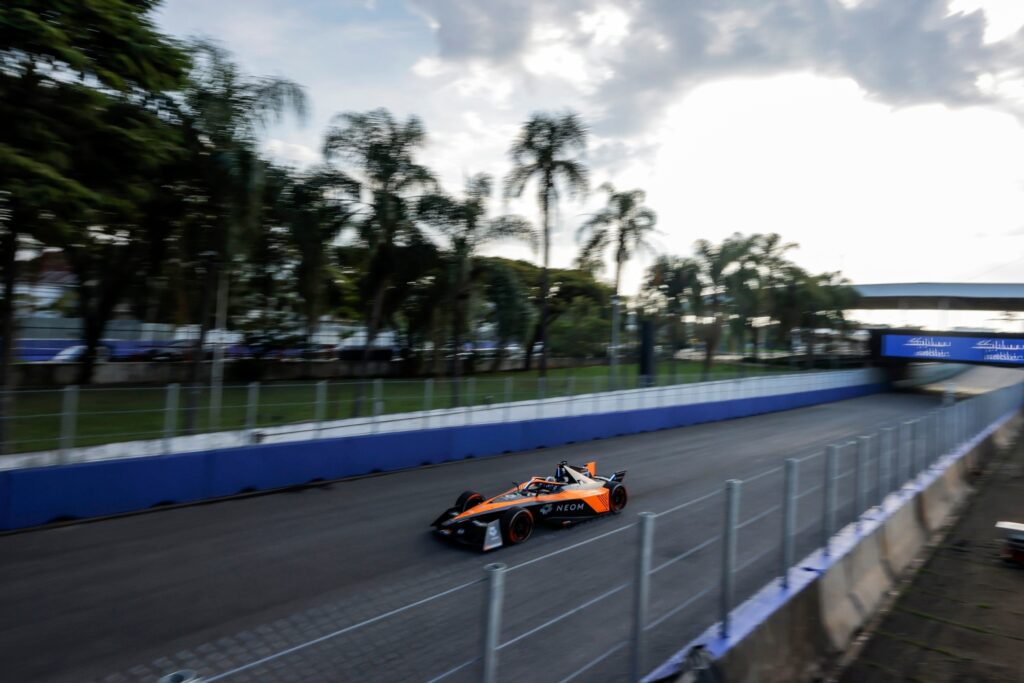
<point>509,306</point>
<point>466,228</point>
<point>769,255</point>
<point>673,284</point>
<point>580,332</point>
<point>544,152</point>
<point>320,208</point>
<point>565,286</point>
<point>87,72</point>
<point>714,264</point>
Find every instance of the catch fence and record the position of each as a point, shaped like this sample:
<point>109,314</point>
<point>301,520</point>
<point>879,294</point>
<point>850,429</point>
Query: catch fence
<point>630,597</point>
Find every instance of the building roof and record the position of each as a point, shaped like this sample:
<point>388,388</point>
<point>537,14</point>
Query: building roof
<point>956,296</point>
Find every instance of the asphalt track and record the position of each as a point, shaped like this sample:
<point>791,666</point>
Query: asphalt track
<point>218,586</point>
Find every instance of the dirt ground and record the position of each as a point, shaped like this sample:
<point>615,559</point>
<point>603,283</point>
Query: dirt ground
<point>962,618</point>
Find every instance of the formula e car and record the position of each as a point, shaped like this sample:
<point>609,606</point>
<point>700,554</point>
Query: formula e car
<point>575,493</point>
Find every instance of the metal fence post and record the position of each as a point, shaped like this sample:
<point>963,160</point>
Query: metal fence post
<point>863,449</point>
<point>252,405</point>
<point>508,398</point>
<point>732,513</point>
<point>570,389</point>
<point>540,395</point>
<point>907,449</point>
<point>641,591</point>
<point>831,470</point>
<point>216,398</point>
<point>428,400</point>
<point>68,421</point>
<point>378,395</point>
<point>470,391</point>
<point>321,406</point>
<point>886,481</point>
<point>918,446</point>
<point>789,502</point>
<point>170,415</point>
<point>378,409</point>
<point>495,578</point>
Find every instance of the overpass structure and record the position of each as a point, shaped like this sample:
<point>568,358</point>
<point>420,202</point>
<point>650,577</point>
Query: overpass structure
<point>958,296</point>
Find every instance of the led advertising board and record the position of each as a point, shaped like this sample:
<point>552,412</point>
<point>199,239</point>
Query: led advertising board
<point>1005,351</point>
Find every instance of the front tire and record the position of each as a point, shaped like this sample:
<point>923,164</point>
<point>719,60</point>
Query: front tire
<point>617,498</point>
<point>467,500</point>
<point>516,526</point>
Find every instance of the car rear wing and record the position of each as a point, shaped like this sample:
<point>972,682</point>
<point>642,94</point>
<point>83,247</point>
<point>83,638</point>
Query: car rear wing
<point>618,476</point>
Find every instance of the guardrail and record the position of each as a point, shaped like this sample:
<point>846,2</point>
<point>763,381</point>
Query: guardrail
<point>655,583</point>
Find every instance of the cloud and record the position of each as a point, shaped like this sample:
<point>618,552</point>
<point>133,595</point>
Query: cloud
<point>629,67</point>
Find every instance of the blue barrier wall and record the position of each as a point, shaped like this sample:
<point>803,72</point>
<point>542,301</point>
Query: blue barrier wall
<point>30,497</point>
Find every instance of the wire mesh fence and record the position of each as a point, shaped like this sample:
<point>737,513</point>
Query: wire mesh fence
<point>653,582</point>
<point>76,417</point>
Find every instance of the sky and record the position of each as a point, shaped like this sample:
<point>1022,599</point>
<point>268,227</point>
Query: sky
<point>884,137</point>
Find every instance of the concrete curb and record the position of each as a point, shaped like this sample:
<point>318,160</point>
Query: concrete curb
<point>782,635</point>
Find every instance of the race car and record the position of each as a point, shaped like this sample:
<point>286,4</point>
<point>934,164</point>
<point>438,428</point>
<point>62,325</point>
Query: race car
<point>575,493</point>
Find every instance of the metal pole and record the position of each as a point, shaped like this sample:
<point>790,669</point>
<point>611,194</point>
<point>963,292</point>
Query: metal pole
<point>886,479</point>
<point>378,396</point>
<point>641,592</point>
<point>217,371</point>
<point>495,578</point>
<point>907,449</point>
<point>732,513</point>
<point>321,406</point>
<point>863,448</point>
<point>68,421</point>
<point>918,444</point>
<point>428,400</point>
<point>613,365</point>
<point>508,398</point>
<point>570,389</point>
<point>831,470</point>
<point>540,394</point>
<point>378,408</point>
<point>252,405</point>
<point>170,415</point>
<point>789,502</point>
<point>470,391</point>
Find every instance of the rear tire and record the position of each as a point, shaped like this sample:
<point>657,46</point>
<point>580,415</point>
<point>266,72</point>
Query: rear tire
<point>617,498</point>
<point>467,500</point>
<point>516,526</point>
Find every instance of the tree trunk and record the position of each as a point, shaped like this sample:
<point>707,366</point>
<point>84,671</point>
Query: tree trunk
<point>8,252</point>
<point>545,210</point>
<point>456,348</point>
<point>372,327</point>
<point>198,356</point>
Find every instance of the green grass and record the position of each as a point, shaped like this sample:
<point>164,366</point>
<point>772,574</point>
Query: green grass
<point>111,414</point>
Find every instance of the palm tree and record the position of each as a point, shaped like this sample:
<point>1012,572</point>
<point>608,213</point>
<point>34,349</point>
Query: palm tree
<point>227,111</point>
<point>769,254</point>
<point>543,152</point>
<point>676,282</point>
<point>467,229</point>
<point>715,262</point>
<point>318,209</point>
<point>624,223</point>
<point>381,153</point>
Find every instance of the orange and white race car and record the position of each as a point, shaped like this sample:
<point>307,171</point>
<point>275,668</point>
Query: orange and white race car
<point>575,493</point>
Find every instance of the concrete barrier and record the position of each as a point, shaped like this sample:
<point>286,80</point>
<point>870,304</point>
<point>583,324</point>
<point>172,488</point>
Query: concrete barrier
<point>903,535</point>
<point>39,495</point>
<point>794,635</point>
